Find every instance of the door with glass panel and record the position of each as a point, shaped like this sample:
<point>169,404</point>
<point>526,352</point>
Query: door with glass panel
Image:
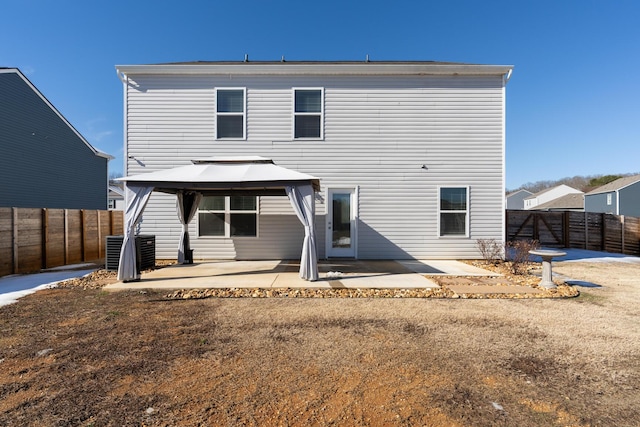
<point>341,223</point>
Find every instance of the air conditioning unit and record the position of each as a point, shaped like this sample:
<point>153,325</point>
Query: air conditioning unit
<point>145,252</point>
<point>112,259</point>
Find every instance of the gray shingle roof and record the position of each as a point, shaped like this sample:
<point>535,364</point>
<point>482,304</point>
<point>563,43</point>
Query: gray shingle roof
<point>616,185</point>
<point>568,201</point>
<point>541,192</point>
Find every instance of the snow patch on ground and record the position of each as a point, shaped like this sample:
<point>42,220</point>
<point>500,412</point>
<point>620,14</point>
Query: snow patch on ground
<point>19,285</point>
<point>581,255</point>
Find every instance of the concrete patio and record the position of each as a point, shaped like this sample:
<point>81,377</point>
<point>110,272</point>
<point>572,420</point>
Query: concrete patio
<point>334,274</point>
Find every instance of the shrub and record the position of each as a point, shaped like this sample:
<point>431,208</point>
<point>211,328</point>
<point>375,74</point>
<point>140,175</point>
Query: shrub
<point>518,254</point>
<point>491,250</point>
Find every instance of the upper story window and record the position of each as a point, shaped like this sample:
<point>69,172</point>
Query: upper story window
<point>308,113</point>
<point>230,113</point>
<point>453,211</point>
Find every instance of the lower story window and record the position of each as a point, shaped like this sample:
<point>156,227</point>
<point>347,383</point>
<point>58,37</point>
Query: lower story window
<point>454,211</point>
<point>228,216</point>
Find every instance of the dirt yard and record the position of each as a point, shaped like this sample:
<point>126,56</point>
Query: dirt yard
<point>85,357</point>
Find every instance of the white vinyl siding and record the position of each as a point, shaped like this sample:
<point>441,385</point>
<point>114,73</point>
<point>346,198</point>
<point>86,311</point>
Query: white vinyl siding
<point>378,132</point>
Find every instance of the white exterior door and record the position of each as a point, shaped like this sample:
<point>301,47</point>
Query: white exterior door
<point>341,222</point>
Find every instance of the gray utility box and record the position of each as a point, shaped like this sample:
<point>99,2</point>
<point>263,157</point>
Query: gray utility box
<point>145,252</point>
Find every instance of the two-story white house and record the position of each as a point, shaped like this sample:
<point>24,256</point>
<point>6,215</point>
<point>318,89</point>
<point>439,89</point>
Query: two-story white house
<point>410,155</point>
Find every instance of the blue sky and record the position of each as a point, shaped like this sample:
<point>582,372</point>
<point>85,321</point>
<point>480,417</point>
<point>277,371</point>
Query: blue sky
<point>573,102</point>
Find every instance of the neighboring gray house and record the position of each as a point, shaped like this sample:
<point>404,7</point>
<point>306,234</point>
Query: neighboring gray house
<point>45,162</point>
<point>515,200</point>
<point>410,155</point>
<point>620,197</point>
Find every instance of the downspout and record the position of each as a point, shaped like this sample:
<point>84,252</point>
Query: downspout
<point>503,219</point>
<point>507,77</point>
<point>125,161</point>
<point>125,82</point>
<point>122,76</point>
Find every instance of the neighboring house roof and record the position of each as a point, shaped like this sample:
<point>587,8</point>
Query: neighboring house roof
<point>618,184</point>
<point>568,201</point>
<point>46,101</point>
<point>515,193</point>
<point>117,190</point>
<point>539,193</point>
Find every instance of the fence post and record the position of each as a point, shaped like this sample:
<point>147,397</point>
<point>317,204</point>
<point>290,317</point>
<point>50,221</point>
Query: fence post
<point>83,234</point>
<point>506,226</point>
<point>14,238</point>
<point>586,230</point>
<point>566,232</point>
<point>622,234</point>
<point>604,232</point>
<point>45,237</point>
<point>66,236</point>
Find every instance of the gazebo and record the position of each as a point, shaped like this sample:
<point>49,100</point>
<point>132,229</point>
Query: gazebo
<point>251,175</point>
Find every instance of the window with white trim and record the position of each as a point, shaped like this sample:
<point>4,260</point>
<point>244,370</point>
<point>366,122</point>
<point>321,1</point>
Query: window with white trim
<point>453,211</point>
<point>228,216</point>
<point>308,113</point>
<point>609,199</point>
<point>230,113</point>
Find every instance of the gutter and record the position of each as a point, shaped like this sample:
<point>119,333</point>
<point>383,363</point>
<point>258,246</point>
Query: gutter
<point>104,155</point>
<point>288,68</point>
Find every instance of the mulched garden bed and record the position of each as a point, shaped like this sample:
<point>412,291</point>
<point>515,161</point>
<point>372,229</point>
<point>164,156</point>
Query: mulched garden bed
<point>101,278</point>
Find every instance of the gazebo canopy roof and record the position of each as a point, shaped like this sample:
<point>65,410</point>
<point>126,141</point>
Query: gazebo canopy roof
<point>246,174</point>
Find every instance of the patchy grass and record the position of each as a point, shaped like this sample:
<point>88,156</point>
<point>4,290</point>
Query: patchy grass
<point>591,298</point>
<point>80,356</point>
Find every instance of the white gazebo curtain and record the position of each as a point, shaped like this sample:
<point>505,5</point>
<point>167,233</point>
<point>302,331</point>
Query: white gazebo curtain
<point>136,198</point>
<point>302,200</point>
<point>187,206</point>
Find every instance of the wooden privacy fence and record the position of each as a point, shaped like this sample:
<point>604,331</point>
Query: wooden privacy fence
<point>33,239</point>
<point>579,230</point>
